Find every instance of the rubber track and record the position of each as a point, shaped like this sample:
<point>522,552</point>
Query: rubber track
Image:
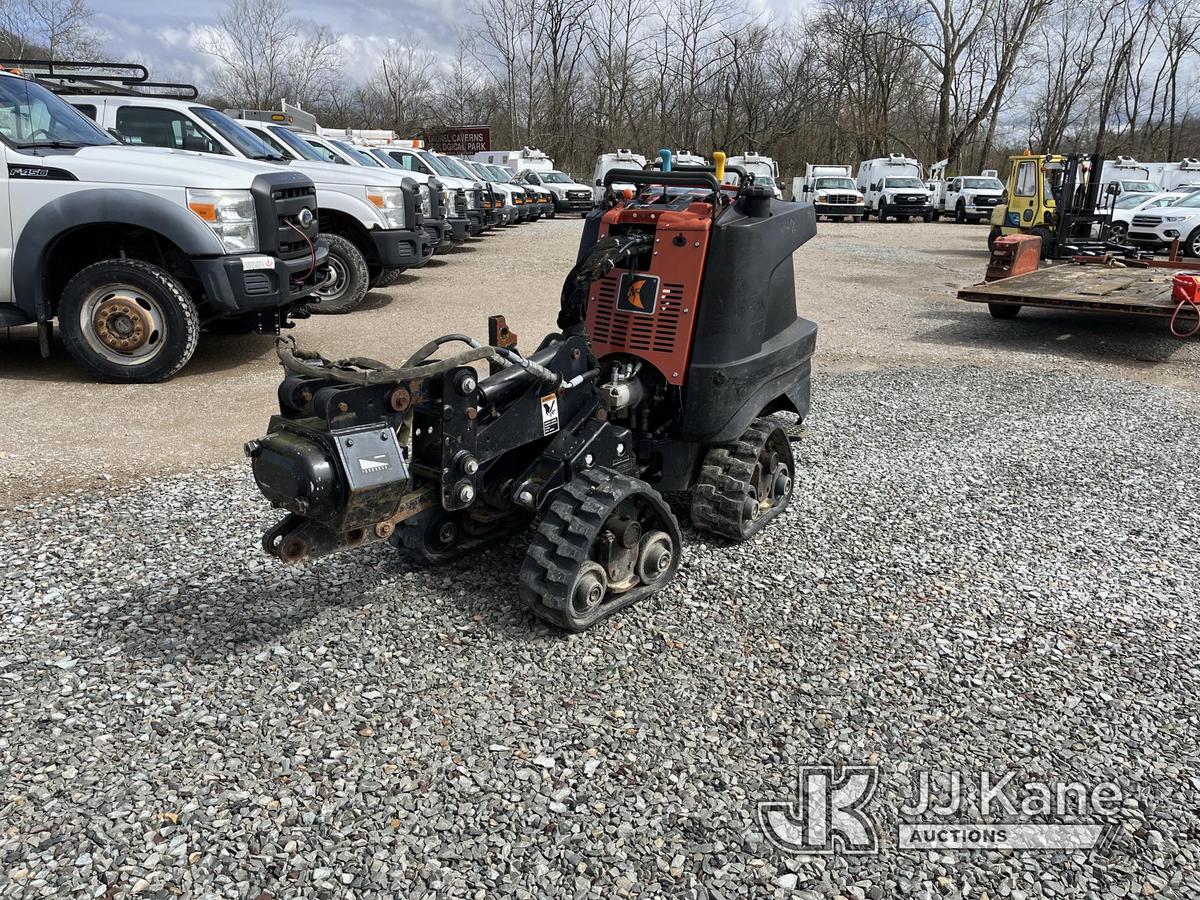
<point>562,544</point>
<point>725,480</point>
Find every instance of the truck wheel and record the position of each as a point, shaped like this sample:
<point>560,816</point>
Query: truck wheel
<point>929,216</point>
<point>553,212</point>
<point>128,321</point>
<point>866,213</point>
<point>883,211</point>
<point>1004,310</point>
<point>1192,247</point>
<point>347,281</point>
<point>960,213</point>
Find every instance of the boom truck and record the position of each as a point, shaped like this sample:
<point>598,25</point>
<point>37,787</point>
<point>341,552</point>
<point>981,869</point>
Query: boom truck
<point>134,250</point>
<point>764,169</point>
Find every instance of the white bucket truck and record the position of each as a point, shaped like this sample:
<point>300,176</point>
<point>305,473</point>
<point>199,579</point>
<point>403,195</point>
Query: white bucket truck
<point>831,191</point>
<point>1129,176</point>
<point>892,186</point>
<point>764,169</point>
<point>968,198</point>
<point>606,162</point>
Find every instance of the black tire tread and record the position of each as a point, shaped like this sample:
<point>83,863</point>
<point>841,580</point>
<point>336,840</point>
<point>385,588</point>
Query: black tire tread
<point>570,524</point>
<point>725,478</point>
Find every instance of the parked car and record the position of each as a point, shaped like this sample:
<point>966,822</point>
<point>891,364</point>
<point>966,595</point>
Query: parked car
<point>1159,228</point>
<point>1128,205</point>
<point>133,250</point>
<point>831,191</point>
<point>370,220</point>
<point>892,186</point>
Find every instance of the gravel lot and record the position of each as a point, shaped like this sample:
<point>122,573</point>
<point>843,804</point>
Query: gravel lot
<point>989,567</point>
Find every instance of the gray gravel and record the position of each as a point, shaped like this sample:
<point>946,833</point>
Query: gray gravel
<point>982,572</point>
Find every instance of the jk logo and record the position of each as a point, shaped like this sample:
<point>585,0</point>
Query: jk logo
<point>639,293</point>
<point>827,814</point>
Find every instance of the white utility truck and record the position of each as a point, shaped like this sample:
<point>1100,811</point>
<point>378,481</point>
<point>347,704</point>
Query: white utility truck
<point>892,186</point>
<point>1129,176</point>
<point>525,159</point>
<point>831,191</point>
<point>606,162</point>
<point>370,220</point>
<point>134,250</point>
<point>1174,176</point>
<point>764,169</point>
<point>968,198</point>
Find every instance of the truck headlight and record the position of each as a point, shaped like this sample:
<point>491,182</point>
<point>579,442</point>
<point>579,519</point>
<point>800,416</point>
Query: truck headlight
<point>230,214</point>
<point>389,201</point>
<point>821,198</point>
<point>426,200</point>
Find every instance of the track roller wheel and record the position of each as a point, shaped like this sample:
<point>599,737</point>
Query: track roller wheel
<point>744,486</point>
<point>605,541</point>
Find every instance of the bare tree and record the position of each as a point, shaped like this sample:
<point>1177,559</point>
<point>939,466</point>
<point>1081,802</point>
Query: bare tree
<point>55,28</point>
<point>265,54</point>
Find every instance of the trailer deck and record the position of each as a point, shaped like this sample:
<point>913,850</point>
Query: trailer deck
<point>1087,286</point>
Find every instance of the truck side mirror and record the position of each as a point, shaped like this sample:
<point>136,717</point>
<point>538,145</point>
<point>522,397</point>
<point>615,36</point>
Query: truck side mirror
<point>120,137</point>
<point>875,186</point>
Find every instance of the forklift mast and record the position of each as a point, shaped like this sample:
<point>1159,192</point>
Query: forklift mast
<point>1079,222</point>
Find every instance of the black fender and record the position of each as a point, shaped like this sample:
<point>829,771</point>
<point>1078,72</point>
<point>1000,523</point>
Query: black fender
<point>102,206</point>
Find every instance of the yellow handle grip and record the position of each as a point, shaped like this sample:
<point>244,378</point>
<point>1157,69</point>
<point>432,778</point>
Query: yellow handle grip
<point>719,161</point>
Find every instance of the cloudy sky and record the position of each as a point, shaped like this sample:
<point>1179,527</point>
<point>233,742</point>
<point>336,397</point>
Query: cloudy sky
<point>166,34</point>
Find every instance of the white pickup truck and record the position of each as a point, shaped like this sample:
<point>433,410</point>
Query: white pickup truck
<point>371,220</point>
<point>969,198</point>
<point>134,250</point>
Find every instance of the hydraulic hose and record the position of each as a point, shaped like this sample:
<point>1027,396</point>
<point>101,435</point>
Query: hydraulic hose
<point>363,371</point>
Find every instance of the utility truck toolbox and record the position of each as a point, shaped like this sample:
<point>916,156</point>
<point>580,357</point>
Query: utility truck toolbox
<point>679,336</point>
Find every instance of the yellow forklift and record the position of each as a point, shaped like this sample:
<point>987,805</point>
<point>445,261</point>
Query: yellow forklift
<point>1057,198</point>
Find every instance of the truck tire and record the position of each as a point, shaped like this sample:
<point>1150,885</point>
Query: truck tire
<point>348,279</point>
<point>866,215</point>
<point>1192,246</point>
<point>960,213</point>
<point>883,211</point>
<point>1004,310</point>
<point>127,321</point>
<point>388,277</point>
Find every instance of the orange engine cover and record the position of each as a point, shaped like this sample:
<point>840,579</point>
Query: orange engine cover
<point>651,313</point>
